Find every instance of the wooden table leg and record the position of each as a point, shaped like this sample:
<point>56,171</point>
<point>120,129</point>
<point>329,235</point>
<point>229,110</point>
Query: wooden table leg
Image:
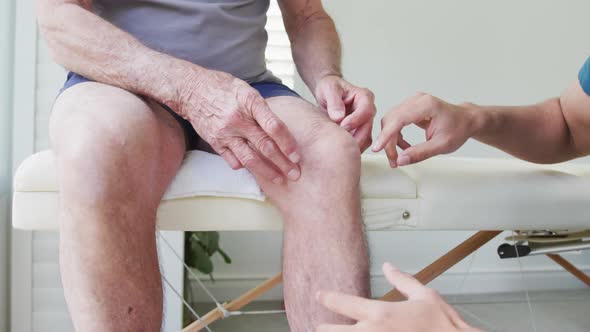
<point>236,304</point>
<point>570,268</point>
<point>447,261</point>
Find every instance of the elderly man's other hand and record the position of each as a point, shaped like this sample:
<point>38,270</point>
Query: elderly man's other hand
<point>447,128</point>
<point>424,310</point>
<point>350,106</point>
<point>236,121</point>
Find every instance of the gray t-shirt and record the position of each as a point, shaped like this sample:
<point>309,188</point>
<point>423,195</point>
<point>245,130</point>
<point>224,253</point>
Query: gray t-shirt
<point>225,35</point>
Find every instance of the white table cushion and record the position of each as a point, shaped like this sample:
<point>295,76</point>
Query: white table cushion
<point>439,194</point>
<point>496,194</point>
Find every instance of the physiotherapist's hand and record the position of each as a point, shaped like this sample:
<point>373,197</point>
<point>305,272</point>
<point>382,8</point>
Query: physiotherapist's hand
<point>447,127</point>
<point>424,311</point>
<point>236,121</point>
<point>348,105</point>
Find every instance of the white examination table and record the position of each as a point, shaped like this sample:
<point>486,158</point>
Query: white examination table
<point>484,195</point>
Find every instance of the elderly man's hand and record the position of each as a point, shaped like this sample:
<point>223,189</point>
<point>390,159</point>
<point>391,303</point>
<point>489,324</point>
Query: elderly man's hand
<point>447,128</point>
<point>350,106</point>
<point>236,121</point>
<point>424,310</point>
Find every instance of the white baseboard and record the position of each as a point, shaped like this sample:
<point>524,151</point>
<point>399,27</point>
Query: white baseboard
<point>228,286</point>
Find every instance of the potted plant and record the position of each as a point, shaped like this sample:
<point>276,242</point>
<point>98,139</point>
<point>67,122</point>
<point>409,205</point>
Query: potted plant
<point>199,247</point>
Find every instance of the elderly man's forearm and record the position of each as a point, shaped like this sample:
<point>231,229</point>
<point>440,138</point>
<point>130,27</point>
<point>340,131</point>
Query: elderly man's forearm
<point>86,44</point>
<point>316,49</point>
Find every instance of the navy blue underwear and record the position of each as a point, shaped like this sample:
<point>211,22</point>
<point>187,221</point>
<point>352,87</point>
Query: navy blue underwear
<point>194,142</point>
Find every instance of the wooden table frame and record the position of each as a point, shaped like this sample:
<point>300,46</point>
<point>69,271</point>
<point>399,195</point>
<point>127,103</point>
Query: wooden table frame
<point>425,276</point>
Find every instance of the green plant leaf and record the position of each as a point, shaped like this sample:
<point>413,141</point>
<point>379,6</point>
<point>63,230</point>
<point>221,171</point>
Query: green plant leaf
<point>199,247</point>
<point>201,260</point>
<point>188,252</point>
<point>203,237</point>
<point>225,256</point>
<point>213,243</point>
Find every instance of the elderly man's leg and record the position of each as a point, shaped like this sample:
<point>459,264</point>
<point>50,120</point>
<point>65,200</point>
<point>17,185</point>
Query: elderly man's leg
<point>324,246</point>
<point>116,155</point>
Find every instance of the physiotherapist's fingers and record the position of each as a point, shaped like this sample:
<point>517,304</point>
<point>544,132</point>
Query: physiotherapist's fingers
<point>363,111</point>
<point>455,316</point>
<point>335,103</point>
<point>392,125</point>
<point>413,110</point>
<point>391,128</point>
<point>254,162</point>
<point>277,130</point>
<point>402,143</point>
<point>403,282</point>
<point>422,151</point>
<point>391,152</point>
<point>337,328</point>
<point>424,123</point>
<point>351,306</point>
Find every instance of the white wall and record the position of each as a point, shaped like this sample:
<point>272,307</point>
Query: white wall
<point>6,33</point>
<point>489,52</point>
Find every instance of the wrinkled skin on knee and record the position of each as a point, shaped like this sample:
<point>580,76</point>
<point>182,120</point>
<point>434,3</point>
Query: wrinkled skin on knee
<point>330,157</point>
<point>332,148</point>
<point>330,161</point>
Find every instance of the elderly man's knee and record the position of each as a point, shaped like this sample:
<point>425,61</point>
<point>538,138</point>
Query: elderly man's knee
<point>105,148</point>
<point>331,150</point>
<point>330,172</point>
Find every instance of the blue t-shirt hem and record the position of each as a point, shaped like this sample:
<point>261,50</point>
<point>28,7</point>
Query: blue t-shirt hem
<point>584,77</point>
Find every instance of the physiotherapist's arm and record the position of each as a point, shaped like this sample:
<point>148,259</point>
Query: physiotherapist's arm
<point>551,131</point>
<point>224,110</point>
<point>317,54</point>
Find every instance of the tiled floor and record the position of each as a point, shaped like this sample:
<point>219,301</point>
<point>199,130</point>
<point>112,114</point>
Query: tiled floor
<point>563,311</point>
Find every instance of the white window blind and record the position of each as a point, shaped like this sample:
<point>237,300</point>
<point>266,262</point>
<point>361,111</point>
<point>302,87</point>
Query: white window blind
<point>278,50</point>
